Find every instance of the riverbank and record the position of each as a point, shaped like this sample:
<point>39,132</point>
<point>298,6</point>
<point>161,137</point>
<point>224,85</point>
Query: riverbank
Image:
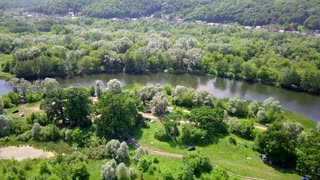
<point>299,102</point>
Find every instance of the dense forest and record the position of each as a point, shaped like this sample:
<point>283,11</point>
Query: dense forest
<point>290,13</point>
<point>33,48</point>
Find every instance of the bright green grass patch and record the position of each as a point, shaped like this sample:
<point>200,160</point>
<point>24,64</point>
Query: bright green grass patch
<point>27,109</point>
<point>231,157</point>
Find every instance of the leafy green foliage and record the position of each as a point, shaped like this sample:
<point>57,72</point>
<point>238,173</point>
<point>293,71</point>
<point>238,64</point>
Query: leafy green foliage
<point>279,144</point>
<point>4,126</point>
<point>71,104</point>
<point>118,115</point>
<point>195,164</point>
<point>208,119</point>
<point>308,155</point>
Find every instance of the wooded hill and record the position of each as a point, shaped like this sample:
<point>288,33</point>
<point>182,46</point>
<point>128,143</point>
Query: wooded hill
<point>290,13</point>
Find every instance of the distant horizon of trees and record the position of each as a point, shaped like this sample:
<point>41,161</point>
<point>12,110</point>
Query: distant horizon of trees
<point>290,14</point>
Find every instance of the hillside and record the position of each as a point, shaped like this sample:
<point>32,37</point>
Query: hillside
<point>290,13</point>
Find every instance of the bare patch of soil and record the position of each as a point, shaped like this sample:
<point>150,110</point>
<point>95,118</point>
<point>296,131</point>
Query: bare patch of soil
<point>23,152</point>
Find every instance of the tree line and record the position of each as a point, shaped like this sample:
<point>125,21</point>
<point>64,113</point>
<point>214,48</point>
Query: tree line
<point>52,48</point>
<point>290,14</point>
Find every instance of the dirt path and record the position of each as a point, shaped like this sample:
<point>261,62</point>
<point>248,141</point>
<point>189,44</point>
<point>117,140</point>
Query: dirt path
<point>161,153</point>
<point>23,152</point>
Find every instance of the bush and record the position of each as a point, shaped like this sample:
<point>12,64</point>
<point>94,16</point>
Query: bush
<point>193,135</point>
<point>18,127</point>
<point>4,125</point>
<point>79,171</point>
<point>97,153</point>
<point>25,137</point>
<point>44,169</point>
<point>144,164</point>
<point>152,168</point>
<point>155,160</point>
<point>49,133</point>
<point>161,134</point>
<point>36,128</point>
<point>167,174</point>
<point>77,137</point>
<point>33,97</point>
<point>10,99</point>
<point>232,141</point>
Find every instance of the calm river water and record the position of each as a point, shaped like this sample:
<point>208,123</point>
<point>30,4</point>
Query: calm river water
<point>305,104</point>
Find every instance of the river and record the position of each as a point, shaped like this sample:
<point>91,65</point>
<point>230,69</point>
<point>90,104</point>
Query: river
<point>303,103</point>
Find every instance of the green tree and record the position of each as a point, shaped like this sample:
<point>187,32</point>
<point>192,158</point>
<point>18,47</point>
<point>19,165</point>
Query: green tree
<point>277,144</point>
<point>117,115</point>
<point>249,71</point>
<point>197,164</point>
<point>77,106</point>
<point>308,156</point>
<point>208,119</point>
<point>114,86</point>
<point>160,103</point>
<point>237,107</point>
<point>53,104</point>
<point>290,78</point>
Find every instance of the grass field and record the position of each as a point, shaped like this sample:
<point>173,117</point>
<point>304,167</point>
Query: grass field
<point>231,157</point>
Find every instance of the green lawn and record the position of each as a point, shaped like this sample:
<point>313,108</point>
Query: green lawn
<point>27,109</point>
<point>231,157</point>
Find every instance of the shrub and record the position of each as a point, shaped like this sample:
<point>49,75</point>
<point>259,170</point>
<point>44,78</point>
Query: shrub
<point>232,141</point>
<point>152,168</point>
<point>122,172</point>
<point>33,97</point>
<point>10,99</point>
<point>139,153</point>
<point>132,173</point>
<point>25,137</point>
<point>167,174</point>
<point>44,169</point>
<point>77,137</point>
<point>161,134</point>
<point>97,153</point>
<point>155,160</point>
<point>4,125</point>
<point>144,164</point>
<point>68,135</point>
<point>79,171</point>
<point>36,128</point>
<point>193,135</point>
<point>18,127</point>
<point>49,133</point>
